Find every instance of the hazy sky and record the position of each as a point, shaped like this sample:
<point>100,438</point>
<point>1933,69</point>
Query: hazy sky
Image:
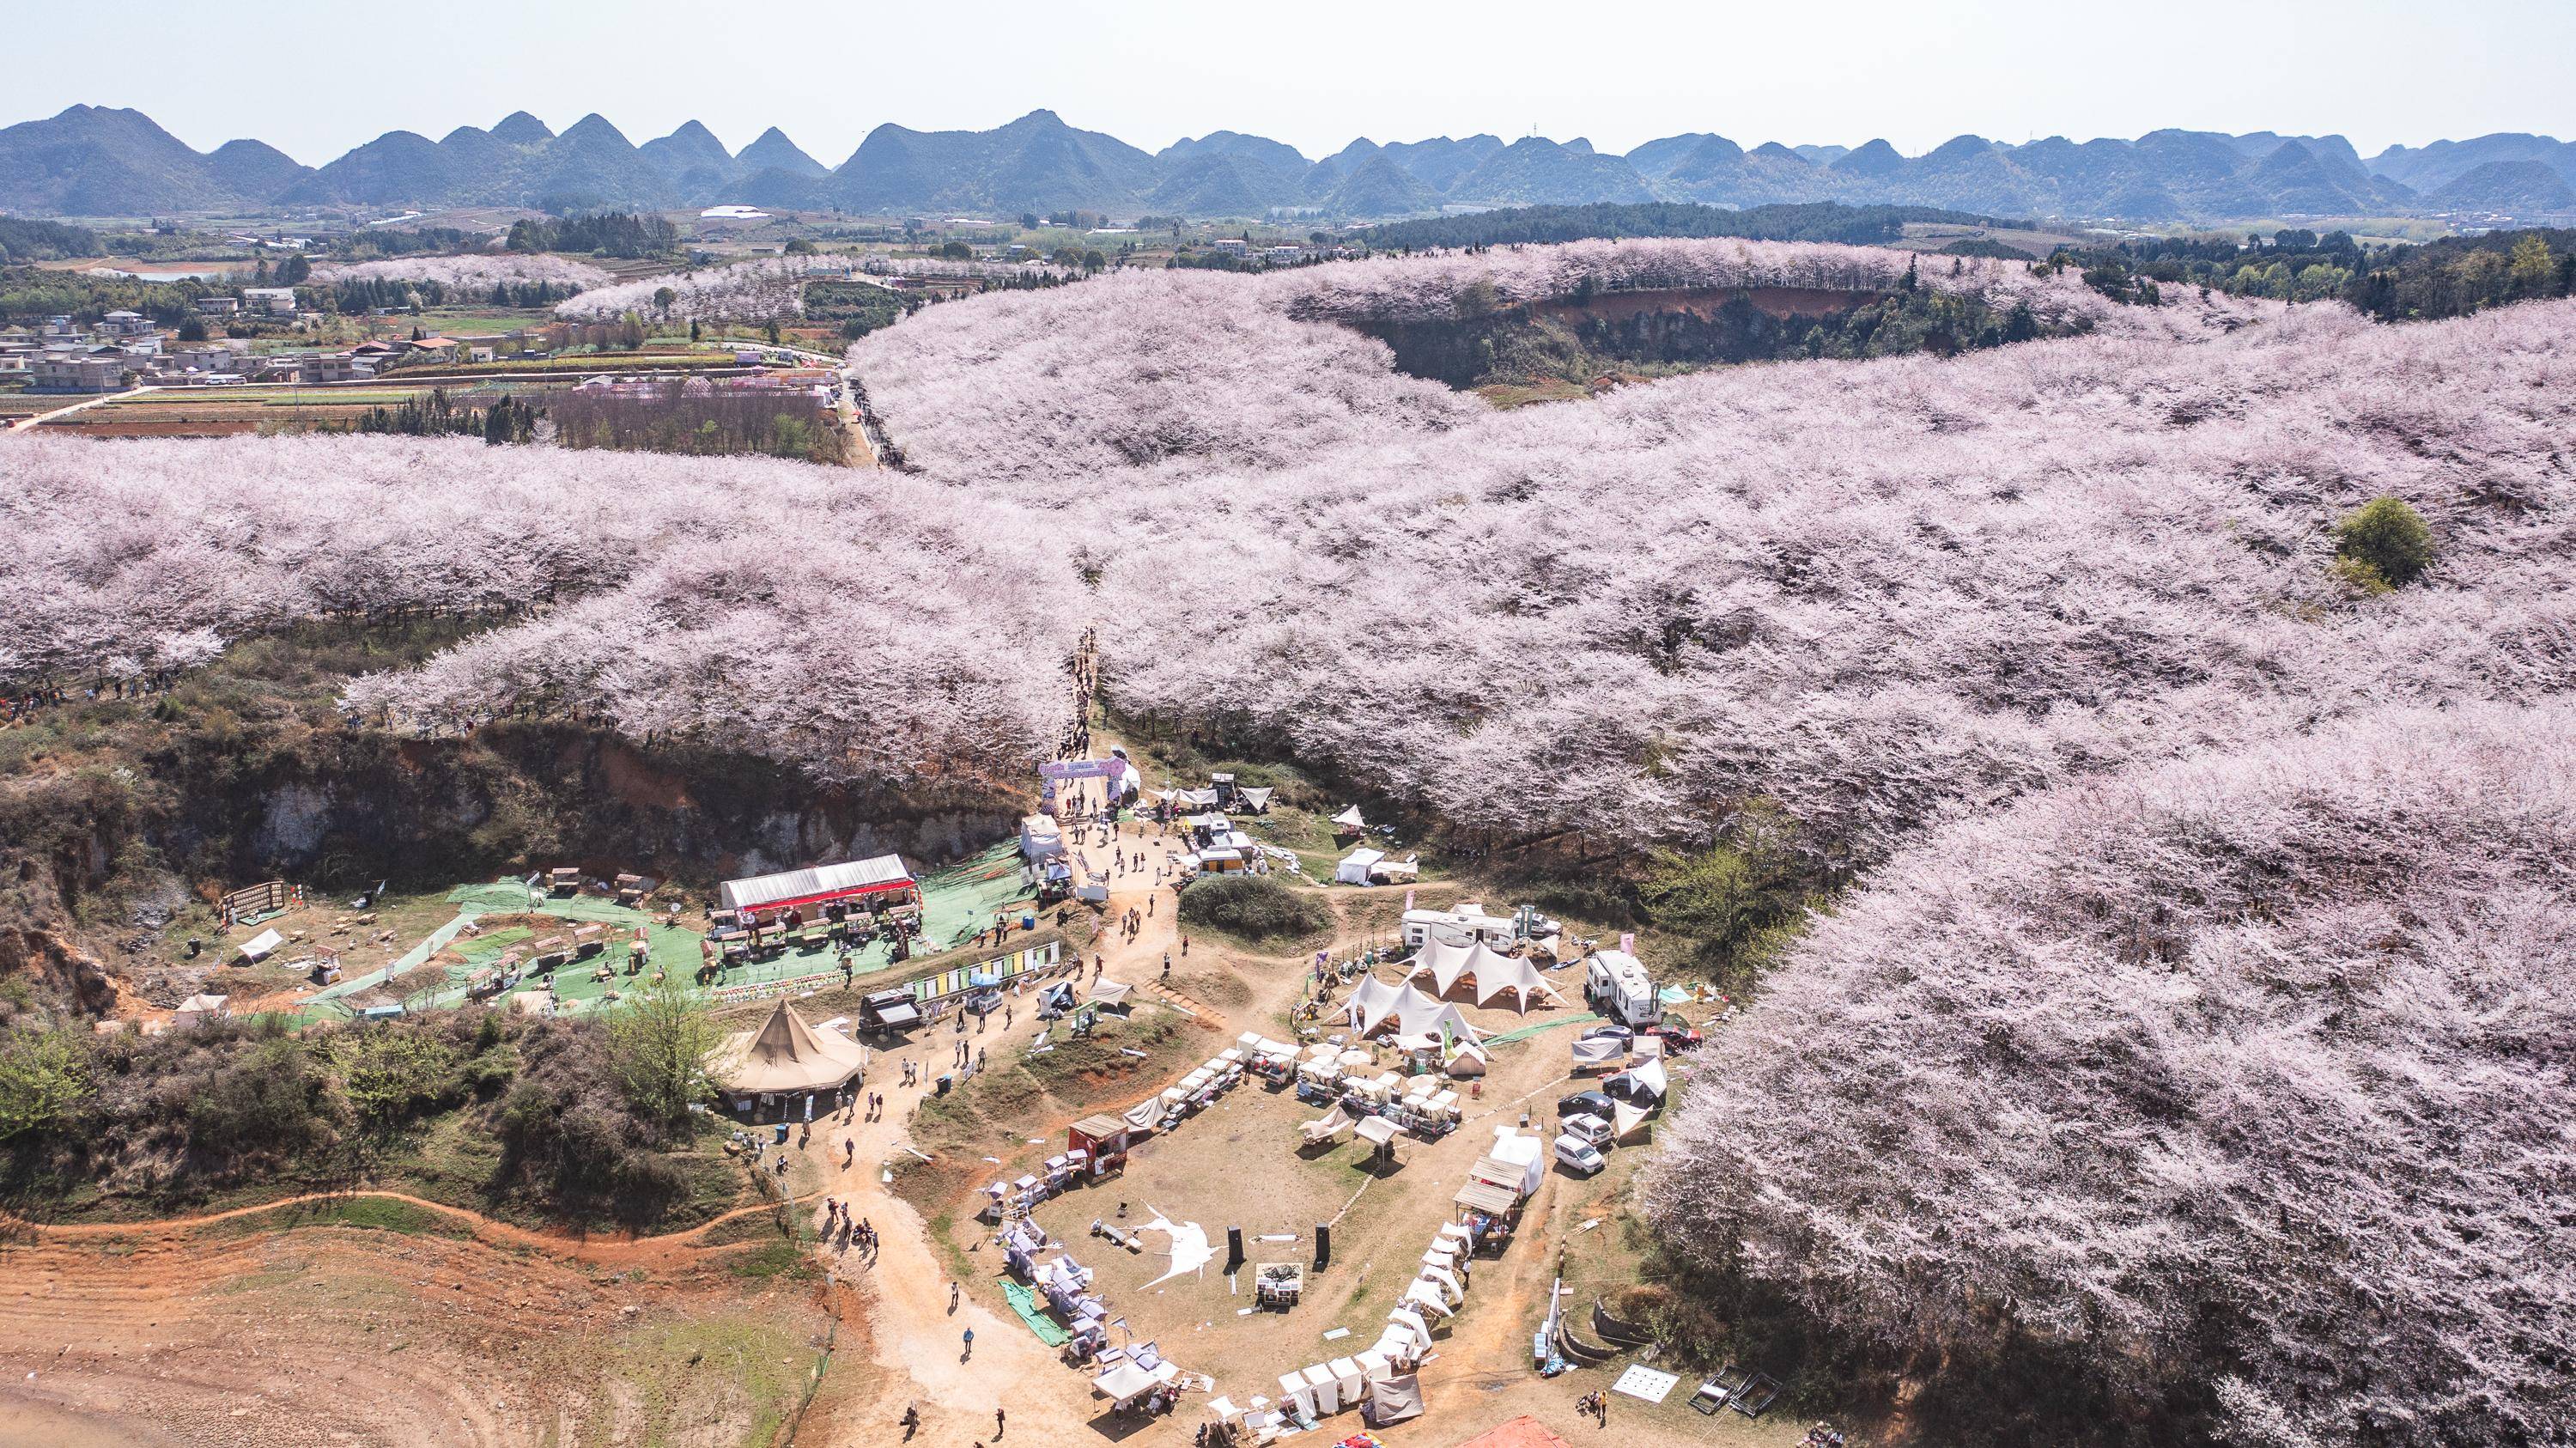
<point>316,78</point>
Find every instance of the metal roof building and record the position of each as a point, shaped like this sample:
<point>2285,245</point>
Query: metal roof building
<point>797,888</point>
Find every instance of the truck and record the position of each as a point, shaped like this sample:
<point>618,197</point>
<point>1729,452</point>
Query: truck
<point>1617,986</point>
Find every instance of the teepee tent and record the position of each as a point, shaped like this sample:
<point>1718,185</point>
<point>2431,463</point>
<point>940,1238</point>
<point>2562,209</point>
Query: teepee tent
<point>784,1057</point>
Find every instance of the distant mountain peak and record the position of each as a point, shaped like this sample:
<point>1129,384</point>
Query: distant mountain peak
<point>518,128</point>
<point>1872,158</point>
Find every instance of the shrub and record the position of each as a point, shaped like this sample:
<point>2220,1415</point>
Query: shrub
<point>1255,906</point>
<point>2384,539</point>
<point>44,1077</point>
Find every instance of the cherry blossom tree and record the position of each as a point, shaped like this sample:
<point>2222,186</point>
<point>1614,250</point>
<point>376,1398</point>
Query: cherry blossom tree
<point>477,271</point>
<point>2242,1078</point>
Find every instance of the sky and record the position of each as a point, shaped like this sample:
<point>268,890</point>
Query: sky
<point>316,78</point>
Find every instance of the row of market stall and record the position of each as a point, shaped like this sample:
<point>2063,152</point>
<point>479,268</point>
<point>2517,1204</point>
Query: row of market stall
<point>1383,1383</point>
<point>1097,1145</point>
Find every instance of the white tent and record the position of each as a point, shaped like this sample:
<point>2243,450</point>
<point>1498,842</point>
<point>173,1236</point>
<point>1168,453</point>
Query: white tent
<point>1497,973</point>
<point>1393,1399</point>
<point>1411,1324</point>
<point>1375,1130</point>
<point>1598,1050</point>
<point>1375,1003</point>
<point>1349,819</point>
<point>1519,1155</point>
<point>1626,1120</point>
<point>1650,1074</point>
<point>1448,1283</point>
<point>1355,866</point>
<point>1468,1062</point>
<point>1444,960</point>
<point>260,946</point>
<point>1123,1383</point>
<point>1448,962</point>
<point>1424,1298</point>
<point>1040,840</point>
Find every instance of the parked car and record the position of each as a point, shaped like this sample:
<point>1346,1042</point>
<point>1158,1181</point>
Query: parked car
<point>1584,1103</point>
<point>1611,1031</point>
<point>1592,1130</point>
<point>1576,1156</point>
<point>1626,1087</point>
<point>1677,1035</point>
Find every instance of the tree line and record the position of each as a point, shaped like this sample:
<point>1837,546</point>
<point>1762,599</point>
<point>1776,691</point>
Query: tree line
<point>605,233</point>
<point>2451,277</point>
<point>1796,221</point>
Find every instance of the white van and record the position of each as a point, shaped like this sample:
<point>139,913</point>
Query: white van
<point>1575,1154</point>
<point>1590,1130</point>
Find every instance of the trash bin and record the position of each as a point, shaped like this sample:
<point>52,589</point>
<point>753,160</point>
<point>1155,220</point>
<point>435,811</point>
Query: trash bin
<point>943,1090</point>
<point>782,1133</point>
<point>1028,920</point>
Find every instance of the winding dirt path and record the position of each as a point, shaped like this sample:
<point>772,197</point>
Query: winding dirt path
<point>583,1246</point>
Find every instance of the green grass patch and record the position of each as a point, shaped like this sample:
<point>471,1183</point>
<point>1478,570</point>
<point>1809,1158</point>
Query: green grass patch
<point>377,1214</point>
<point>774,1260</point>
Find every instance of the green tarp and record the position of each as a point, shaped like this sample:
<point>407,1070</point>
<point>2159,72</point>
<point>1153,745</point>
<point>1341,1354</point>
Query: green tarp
<point>1024,1301</point>
<point>1525,1032</point>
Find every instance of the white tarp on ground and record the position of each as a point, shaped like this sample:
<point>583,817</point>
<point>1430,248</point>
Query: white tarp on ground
<point>1190,1249</point>
<point>1393,1400</point>
<point>1599,1050</point>
<point>1355,866</point>
<point>1645,1383</point>
<point>1326,1127</point>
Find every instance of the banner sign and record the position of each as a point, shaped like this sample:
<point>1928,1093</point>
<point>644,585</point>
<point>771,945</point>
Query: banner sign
<point>1628,943</point>
<point>1084,769</point>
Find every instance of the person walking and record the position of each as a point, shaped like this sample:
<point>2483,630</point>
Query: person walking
<point>997,1424</point>
<point>952,1297</point>
<point>970,1348</point>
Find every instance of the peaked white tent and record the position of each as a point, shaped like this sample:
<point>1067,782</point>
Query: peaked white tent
<point>1448,963</point>
<point>1349,820</point>
<point>1444,960</point>
<point>1375,1003</point>
<point>1598,1051</point>
<point>1355,866</point>
<point>1497,973</point>
<point>1650,1075</point>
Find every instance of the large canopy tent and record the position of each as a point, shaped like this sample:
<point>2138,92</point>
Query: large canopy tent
<point>851,880</point>
<point>1376,1003</point>
<point>1448,962</point>
<point>782,1060</point>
